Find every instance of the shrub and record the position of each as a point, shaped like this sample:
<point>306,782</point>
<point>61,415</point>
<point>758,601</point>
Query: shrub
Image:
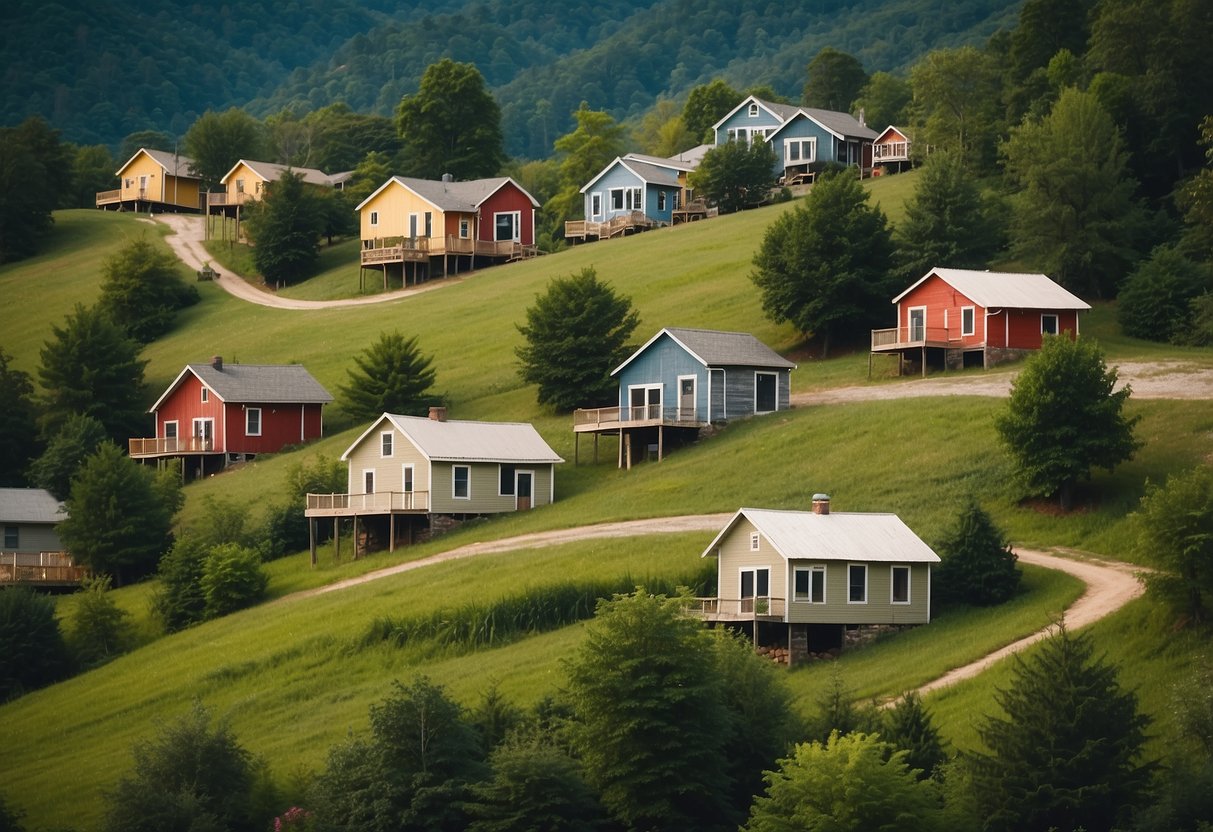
<point>179,601</point>
<point>231,579</point>
<point>977,566</point>
<point>99,628</point>
<point>1155,302</point>
<point>32,652</point>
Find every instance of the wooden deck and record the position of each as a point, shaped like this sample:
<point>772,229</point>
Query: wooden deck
<point>612,419</point>
<point>421,249</point>
<point>904,337</point>
<point>41,569</point>
<point>160,446</point>
<point>617,226</point>
<point>379,502</point>
<point>764,608</point>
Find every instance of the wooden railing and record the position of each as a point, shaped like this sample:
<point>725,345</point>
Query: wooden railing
<point>738,608</point>
<point>598,416</point>
<point>912,336</point>
<point>378,502</point>
<point>891,151</point>
<point>40,568</point>
<point>159,445</point>
<point>106,197</point>
<point>609,228</point>
<point>221,198</point>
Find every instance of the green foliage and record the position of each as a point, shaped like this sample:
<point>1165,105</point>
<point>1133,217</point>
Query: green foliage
<point>643,689</point>
<point>1074,217</point>
<point>179,601</point>
<point>92,171</point>
<point>99,628</point>
<point>232,579</point>
<point>285,528</point>
<point>35,175</point>
<point>90,367</point>
<point>908,727</point>
<point>142,290</point>
<point>1046,28</point>
<point>836,712</point>
<point>1155,302</point>
<point>32,651</point>
<point>451,125</point>
<point>849,784</point>
<point>1175,535</point>
<point>535,787</point>
<point>735,175</point>
<point>947,222</point>
<point>117,521</point>
<point>706,105</point>
<point>495,718</point>
<point>824,266</point>
<point>285,227</point>
<point>216,141</point>
<point>189,778</point>
<point>413,772</point>
<point>834,80</point>
<point>1065,751</point>
<point>956,102</point>
<point>576,334</point>
<point>1194,199</point>
<point>662,131</point>
<point>392,376</point>
<point>1200,334</point>
<point>977,566</point>
<point>884,100</point>
<point>582,154</point>
<point>10,819</point>
<point>18,423</point>
<point>1193,698</point>
<point>1064,418</point>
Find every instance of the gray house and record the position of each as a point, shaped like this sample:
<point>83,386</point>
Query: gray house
<point>683,380</point>
<point>806,577</point>
<point>30,551</point>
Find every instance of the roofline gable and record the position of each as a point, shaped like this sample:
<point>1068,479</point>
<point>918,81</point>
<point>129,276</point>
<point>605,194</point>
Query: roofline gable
<point>143,151</point>
<point>747,100</point>
<point>648,343</point>
<point>509,180</point>
<point>177,383</point>
<point>618,160</point>
<point>239,162</point>
<point>345,456</point>
<point>802,113</point>
<point>893,127</point>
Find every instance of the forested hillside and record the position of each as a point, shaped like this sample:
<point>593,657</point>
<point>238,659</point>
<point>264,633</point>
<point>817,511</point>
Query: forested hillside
<point>99,72</point>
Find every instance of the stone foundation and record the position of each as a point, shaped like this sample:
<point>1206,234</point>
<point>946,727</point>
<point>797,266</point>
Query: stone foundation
<point>1001,355</point>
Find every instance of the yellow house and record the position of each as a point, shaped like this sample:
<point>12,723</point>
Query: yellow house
<point>247,180</point>
<point>155,180</point>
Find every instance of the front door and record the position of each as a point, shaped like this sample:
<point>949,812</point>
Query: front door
<point>645,402</point>
<point>686,399</point>
<point>918,324</point>
<point>755,583</point>
<point>204,434</point>
<point>170,436</point>
<point>523,481</point>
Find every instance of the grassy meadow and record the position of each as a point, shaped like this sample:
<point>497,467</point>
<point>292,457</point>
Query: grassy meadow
<point>294,675</point>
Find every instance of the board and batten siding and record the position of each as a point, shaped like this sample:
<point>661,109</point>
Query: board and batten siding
<point>741,390</point>
<point>484,485</point>
<point>662,363</point>
<point>389,471</point>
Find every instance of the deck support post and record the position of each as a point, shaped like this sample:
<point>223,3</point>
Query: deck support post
<point>924,361</point>
<point>660,442</point>
<point>311,538</point>
<point>356,552</point>
<point>576,446</point>
<point>337,539</point>
<point>595,447</point>
<point>391,532</point>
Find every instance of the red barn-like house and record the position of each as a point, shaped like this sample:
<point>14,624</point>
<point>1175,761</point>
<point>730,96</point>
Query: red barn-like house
<point>213,414</point>
<point>995,315</point>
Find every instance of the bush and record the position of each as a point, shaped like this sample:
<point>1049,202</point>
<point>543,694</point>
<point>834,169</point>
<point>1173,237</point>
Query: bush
<point>1155,302</point>
<point>142,289</point>
<point>977,566</point>
<point>1175,534</point>
<point>179,601</point>
<point>32,652</point>
<point>231,579</point>
<point>99,628</point>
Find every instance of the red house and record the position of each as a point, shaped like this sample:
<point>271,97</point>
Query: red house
<point>213,414</point>
<point>959,313</point>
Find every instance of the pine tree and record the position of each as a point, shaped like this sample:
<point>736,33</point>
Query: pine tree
<point>977,566</point>
<point>285,227</point>
<point>392,375</point>
<point>908,727</point>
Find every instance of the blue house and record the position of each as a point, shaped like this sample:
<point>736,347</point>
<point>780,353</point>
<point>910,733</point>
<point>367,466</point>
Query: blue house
<point>633,193</point>
<point>805,139</point>
<point>683,380</point>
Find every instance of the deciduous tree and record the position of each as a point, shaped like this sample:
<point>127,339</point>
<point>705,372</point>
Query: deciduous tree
<point>35,177</point>
<point>824,265</point>
<point>392,375</point>
<point>142,290</point>
<point>706,105</point>
<point>1155,301</point>
<point>232,579</point>
<point>451,125</point>
<point>32,651</point>
<point>74,442</point>
<point>735,175</point>
<point>1175,534</point>
<point>834,80</point>
<point>216,141</point>
<point>956,103</point>
<point>100,629</point>
<point>1064,418</point>
<point>18,423</point>
<point>595,142</point>
<point>576,333</point>
<point>535,786</point>
<point>977,566</point>
<point>884,100</point>
<point>285,227</point>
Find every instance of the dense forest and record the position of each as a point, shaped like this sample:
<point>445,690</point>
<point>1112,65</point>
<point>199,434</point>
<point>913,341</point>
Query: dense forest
<point>99,72</point>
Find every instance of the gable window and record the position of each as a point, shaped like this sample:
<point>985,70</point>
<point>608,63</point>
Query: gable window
<point>385,443</point>
<point>800,151</point>
<point>765,385</point>
<point>252,421</point>
<point>465,228</point>
<point>206,395</point>
<point>809,584</point>
<point>374,217</point>
<point>753,110</point>
<point>968,320</point>
<point>505,486</point>
<point>12,537</point>
<point>900,585</point>
<point>857,583</point>
<point>595,205</point>
<point>754,541</point>
<point>368,481</point>
<point>239,186</point>
<point>1048,324</point>
<point>508,226</point>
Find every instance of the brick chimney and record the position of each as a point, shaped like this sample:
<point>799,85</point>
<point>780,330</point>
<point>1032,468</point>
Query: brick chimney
<point>217,362</point>
<point>438,414</point>
<point>821,503</point>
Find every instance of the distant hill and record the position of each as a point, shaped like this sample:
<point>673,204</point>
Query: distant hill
<point>99,71</point>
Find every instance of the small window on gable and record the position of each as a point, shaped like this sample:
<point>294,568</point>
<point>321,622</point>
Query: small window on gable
<point>206,395</point>
<point>385,443</point>
<point>754,541</point>
<point>461,485</point>
<point>968,320</point>
<point>1048,324</point>
<point>753,110</point>
<point>374,217</point>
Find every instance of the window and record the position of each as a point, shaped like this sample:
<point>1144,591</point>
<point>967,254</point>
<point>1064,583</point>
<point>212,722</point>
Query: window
<point>508,226</point>
<point>170,430</point>
<point>461,475</point>
<point>661,200</point>
<point>753,111</point>
<point>901,585</point>
<point>206,395</point>
<point>857,583</point>
<point>252,421</point>
<point>765,385</point>
<point>12,537</point>
<point>374,217</point>
<point>385,443</point>
<point>754,541</point>
<point>800,151</point>
<point>465,228</point>
<point>505,487</point>
<point>616,199</point>
<point>239,186</point>
<point>406,479</point>
<point>413,226</point>
<point>755,583</point>
<point>368,481</point>
<point>968,320</point>
<point>429,223</point>
<point>596,205</point>
<point>1048,324</point>
<point>809,584</point>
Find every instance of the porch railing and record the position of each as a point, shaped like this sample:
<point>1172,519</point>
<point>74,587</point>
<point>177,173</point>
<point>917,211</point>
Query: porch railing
<point>40,568</point>
<point>643,413</point>
<point>913,336</point>
<point>377,502</point>
<point>105,197</point>
<point>888,151</point>
<point>159,445</point>
<point>739,608</point>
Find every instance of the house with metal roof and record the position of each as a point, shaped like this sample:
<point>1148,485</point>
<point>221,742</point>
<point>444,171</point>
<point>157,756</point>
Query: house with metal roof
<point>804,578</point>
<point>805,139</point>
<point>155,181</point>
<point>30,551</point>
<point>411,475</point>
<point>682,380</point>
<point>426,227</point>
<point>213,414</point>
<point>954,316</point>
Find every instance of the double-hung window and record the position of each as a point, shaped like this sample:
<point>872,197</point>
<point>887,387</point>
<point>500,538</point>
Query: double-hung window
<point>385,444</point>
<point>461,482</point>
<point>252,421</point>
<point>809,584</point>
<point>857,583</point>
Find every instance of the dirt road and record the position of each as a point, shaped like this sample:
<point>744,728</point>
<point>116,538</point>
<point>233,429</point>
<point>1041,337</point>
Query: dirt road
<point>1110,585</point>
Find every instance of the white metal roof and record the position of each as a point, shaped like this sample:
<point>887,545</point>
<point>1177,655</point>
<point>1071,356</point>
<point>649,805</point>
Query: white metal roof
<point>29,505</point>
<point>1004,289</point>
<point>455,440</point>
<point>845,536</point>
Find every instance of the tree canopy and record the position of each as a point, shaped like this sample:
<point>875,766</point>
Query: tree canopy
<point>956,102</point>
<point>142,290</point>
<point>18,423</point>
<point>707,104</point>
<point>392,375</point>
<point>1174,527</point>
<point>735,175</point>
<point>35,177</point>
<point>834,80</point>
<point>285,227</point>
<point>216,141</point>
<point>977,566</point>
<point>451,125</point>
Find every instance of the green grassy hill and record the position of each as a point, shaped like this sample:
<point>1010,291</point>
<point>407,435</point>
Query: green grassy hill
<point>294,676</point>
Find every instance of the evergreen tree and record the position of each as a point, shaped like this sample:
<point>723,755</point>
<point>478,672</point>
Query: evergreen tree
<point>35,177</point>
<point>908,727</point>
<point>392,376</point>
<point>576,333</point>
<point>99,627</point>
<point>75,441</point>
<point>535,787</point>
<point>18,423</point>
<point>1065,752</point>
<point>285,227</point>
<point>451,125</point>
<point>735,175</point>
<point>947,222</point>
<point>1175,534</point>
<point>837,713</point>
<point>977,566</point>
<point>834,80</point>
<point>142,290</point>
<point>1065,418</point>
<point>824,265</point>
<point>32,651</point>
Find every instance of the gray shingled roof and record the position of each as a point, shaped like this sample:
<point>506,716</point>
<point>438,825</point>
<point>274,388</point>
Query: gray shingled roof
<point>784,111</point>
<point>845,536</point>
<point>672,162</point>
<point>718,349</point>
<point>842,123</point>
<point>653,174</point>
<point>1005,289</point>
<point>272,172</point>
<point>29,505</point>
<point>464,441</point>
<point>177,164</point>
<point>269,383</point>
